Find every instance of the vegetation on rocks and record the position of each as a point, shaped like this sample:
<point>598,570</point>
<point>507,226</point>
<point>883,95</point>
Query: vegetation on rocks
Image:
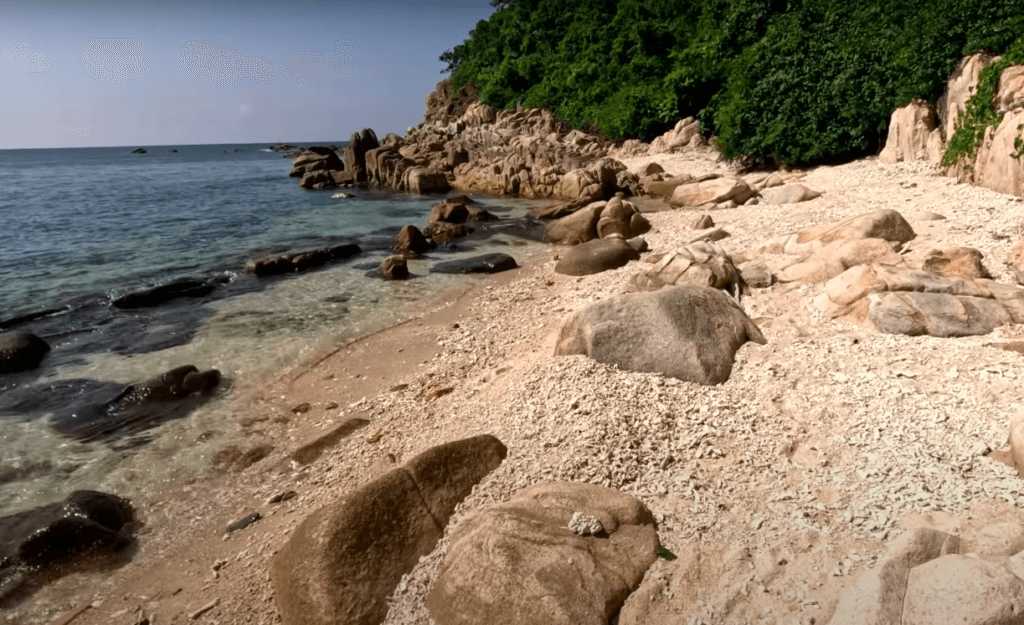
<point>781,81</point>
<point>979,112</point>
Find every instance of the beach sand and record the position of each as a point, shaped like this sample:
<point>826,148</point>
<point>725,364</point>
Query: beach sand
<point>774,488</point>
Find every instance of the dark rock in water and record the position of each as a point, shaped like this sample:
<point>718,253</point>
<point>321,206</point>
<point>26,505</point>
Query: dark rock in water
<point>33,541</point>
<point>355,153</point>
<point>56,531</point>
<point>300,261</point>
<point>596,256</point>
<point>138,151</point>
<point>174,151</point>
<point>140,407</point>
<point>185,287</point>
<point>487,263</point>
<point>394,268</point>
<point>283,147</point>
<point>443,233</point>
<point>411,240</point>
<point>21,351</point>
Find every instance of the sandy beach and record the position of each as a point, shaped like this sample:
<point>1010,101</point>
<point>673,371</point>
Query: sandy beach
<point>774,488</point>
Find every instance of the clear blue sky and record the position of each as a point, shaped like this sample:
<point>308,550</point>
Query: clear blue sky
<point>138,73</point>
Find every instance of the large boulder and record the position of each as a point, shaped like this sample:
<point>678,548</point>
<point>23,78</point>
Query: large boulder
<point>959,88</point>
<point>836,257</point>
<point>888,225</point>
<point>555,554</point>
<point>622,218</point>
<point>790,194</point>
<point>355,152</point>
<point>345,559</point>
<point>315,159</point>
<point>916,302</point>
<point>385,167</point>
<point>656,187</point>
<point>21,351</point>
<point>580,184</point>
<point>424,180</point>
<point>412,241</point>
<point>1015,261</point>
<point>998,164</point>
<point>576,228</point>
<point>393,268</point>
<point>712,193</point>
<point>596,256</point>
<point>1010,91</point>
<point>957,261</point>
<point>687,332</point>
<point>154,296</point>
<point>913,135</point>
<point>682,135</point>
<point>701,263</point>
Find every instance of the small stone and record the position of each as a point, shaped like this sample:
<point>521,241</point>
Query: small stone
<point>584,525</point>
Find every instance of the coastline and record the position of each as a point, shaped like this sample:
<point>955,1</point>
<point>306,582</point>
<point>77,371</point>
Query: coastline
<point>783,490</point>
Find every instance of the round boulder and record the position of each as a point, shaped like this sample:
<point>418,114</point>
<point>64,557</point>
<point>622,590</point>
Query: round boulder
<point>21,351</point>
<point>394,268</point>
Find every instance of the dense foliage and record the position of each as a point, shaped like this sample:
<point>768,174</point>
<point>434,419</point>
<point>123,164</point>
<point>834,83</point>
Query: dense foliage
<point>779,80</point>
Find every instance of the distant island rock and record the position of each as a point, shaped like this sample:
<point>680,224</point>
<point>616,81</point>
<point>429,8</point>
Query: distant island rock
<point>138,151</point>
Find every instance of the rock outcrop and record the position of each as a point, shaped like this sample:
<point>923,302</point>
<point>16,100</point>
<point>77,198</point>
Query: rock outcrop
<point>686,133</point>
<point>888,225</point>
<point>555,554</point>
<point>485,263</point>
<point>701,264</point>
<point>914,135</point>
<point>687,332</point>
<point>345,559</point>
<point>718,192</point>
<point>598,220</point>
<point>917,302</point>
<point>300,261</point>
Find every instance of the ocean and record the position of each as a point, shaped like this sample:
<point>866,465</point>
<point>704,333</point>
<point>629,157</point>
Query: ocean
<point>84,227</point>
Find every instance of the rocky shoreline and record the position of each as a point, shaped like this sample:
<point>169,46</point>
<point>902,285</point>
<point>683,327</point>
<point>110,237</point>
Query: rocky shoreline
<point>780,493</point>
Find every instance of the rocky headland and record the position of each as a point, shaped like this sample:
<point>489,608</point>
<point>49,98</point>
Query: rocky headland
<point>722,397</point>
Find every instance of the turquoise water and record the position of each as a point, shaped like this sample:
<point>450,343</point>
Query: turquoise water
<point>84,226</point>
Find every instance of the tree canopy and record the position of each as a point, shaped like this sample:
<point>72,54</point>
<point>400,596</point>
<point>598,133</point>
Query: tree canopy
<point>789,81</point>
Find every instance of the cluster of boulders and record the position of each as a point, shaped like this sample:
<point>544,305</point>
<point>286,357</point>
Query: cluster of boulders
<point>919,131</point>
<point>516,562</point>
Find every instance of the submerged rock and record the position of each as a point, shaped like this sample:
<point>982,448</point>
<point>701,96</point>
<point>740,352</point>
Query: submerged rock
<point>300,261</point>
<point>35,540</point>
<point>486,263</point>
<point>21,351</point>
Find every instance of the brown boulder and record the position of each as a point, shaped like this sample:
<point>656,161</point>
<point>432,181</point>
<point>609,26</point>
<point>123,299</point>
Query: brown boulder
<point>411,240</point>
<point>687,332</point>
<point>699,263</point>
<point>579,227</point>
<point>596,256</point>
<point>712,192</point>
<point>957,261</point>
<point>394,268</point>
<point>345,559</point>
<point>21,351</point>
<point>424,180</point>
<point>355,152</point>
<point>443,233</point>
<point>520,563</point>
<point>833,259</point>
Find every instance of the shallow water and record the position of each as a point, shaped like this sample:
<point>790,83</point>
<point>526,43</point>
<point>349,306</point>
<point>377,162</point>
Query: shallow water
<point>87,225</point>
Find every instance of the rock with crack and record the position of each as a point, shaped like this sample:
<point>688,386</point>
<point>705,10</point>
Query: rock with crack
<point>714,193</point>
<point>687,332</point>
<point>519,562</point>
<point>700,263</point>
<point>345,559</point>
<point>957,261</point>
<point>836,257</point>
<point>916,302</point>
<point>599,220</point>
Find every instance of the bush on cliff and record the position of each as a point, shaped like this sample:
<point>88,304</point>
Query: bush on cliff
<point>789,81</point>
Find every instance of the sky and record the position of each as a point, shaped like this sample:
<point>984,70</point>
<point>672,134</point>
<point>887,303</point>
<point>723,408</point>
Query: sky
<point>181,72</point>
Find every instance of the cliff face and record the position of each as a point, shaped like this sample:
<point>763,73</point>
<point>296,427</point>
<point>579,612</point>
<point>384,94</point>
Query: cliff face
<point>445,105</point>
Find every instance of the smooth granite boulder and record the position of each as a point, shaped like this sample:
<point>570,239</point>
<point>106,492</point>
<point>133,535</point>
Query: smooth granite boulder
<point>345,559</point>
<point>393,268</point>
<point>687,332</point>
<point>555,554</point>
<point>596,256</point>
<point>411,240</point>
